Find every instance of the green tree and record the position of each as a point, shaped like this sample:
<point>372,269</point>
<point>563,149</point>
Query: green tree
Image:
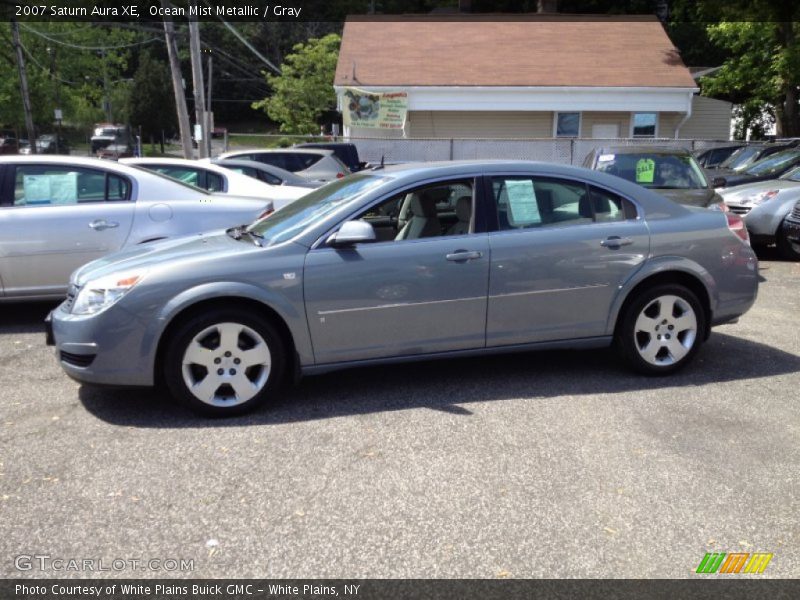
<point>303,92</point>
<point>151,102</point>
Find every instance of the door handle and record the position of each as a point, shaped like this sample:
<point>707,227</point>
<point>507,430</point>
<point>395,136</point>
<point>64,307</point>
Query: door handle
<point>101,224</point>
<point>615,241</point>
<point>463,255</point>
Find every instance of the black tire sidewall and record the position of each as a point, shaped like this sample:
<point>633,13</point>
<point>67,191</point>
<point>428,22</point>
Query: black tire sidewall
<point>176,346</point>
<point>624,335</point>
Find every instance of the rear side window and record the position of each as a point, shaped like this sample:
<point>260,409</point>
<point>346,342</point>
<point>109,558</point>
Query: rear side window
<point>307,160</point>
<point>277,159</point>
<point>63,185</point>
<point>214,182</point>
<point>531,202</point>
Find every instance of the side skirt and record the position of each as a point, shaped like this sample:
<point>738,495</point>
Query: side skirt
<point>577,344</point>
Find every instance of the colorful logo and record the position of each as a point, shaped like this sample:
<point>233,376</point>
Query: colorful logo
<point>734,562</point>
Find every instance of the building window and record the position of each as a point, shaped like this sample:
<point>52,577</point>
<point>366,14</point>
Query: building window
<point>644,124</point>
<point>568,124</point>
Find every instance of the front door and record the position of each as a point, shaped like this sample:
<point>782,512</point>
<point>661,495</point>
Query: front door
<point>420,288</point>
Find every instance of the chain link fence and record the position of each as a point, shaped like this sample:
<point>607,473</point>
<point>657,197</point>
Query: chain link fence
<point>399,150</point>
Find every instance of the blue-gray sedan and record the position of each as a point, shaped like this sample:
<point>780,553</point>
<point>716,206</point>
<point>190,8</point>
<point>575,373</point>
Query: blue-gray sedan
<point>409,263</point>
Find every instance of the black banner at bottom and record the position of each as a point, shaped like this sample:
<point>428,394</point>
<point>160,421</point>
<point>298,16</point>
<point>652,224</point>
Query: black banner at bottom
<point>390,589</point>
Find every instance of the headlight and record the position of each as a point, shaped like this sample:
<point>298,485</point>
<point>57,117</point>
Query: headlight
<point>761,197</point>
<point>101,293</point>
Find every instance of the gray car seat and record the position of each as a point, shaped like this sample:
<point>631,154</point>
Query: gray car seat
<point>464,215</point>
<point>422,220</point>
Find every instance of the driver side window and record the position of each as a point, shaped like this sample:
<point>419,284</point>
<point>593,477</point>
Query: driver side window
<point>436,210</point>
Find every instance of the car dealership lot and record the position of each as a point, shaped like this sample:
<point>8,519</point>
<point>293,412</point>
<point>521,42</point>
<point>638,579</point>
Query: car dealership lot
<point>557,464</point>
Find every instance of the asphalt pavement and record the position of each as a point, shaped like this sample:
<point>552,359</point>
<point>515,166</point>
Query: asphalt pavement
<point>552,464</point>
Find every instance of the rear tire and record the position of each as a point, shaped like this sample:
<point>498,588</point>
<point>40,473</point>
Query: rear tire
<point>224,362</point>
<point>661,329</point>
<point>787,249</point>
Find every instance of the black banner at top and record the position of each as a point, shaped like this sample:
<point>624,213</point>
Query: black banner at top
<point>131,11</point>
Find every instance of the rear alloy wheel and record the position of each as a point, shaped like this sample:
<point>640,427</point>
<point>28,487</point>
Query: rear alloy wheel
<point>661,330</point>
<point>787,248</point>
<point>224,362</point>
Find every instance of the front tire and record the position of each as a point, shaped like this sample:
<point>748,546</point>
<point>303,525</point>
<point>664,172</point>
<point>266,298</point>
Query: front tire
<point>661,330</point>
<point>224,362</point>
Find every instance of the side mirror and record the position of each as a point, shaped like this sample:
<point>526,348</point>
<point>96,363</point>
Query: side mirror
<point>719,182</point>
<point>352,232</point>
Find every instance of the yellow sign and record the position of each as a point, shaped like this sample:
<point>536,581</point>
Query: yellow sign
<point>645,170</point>
<point>374,110</point>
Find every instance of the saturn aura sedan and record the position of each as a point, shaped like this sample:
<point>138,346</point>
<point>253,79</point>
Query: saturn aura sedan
<point>408,263</point>
<point>58,213</point>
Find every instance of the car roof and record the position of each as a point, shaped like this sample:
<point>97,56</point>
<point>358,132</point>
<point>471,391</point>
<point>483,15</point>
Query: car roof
<point>665,150</point>
<point>314,151</point>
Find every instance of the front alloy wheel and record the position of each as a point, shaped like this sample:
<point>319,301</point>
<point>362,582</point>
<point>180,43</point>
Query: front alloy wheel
<point>661,330</point>
<point>224,362</point>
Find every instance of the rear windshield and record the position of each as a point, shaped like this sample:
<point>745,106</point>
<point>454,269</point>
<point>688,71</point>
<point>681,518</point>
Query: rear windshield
<point>660,171</point>
<point>300,214</point>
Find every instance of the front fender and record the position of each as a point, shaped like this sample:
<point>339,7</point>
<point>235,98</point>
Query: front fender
<point>283,301</point>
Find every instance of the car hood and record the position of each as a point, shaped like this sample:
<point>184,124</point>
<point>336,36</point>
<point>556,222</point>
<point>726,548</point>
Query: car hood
<point>144,256</point>
<point>702,197</point>
<point>748,189</point>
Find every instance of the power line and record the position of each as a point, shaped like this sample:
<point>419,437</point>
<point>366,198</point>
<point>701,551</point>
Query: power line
<point>78,47</point>
<point>43,68</point>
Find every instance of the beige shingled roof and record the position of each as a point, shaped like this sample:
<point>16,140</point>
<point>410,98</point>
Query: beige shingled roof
<point>526,51</point>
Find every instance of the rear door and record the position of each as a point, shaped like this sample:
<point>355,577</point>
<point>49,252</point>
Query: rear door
<point>560,253</point>
<point>56,217</point>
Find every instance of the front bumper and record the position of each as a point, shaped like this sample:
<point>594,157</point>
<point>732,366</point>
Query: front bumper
<point>108,348</point>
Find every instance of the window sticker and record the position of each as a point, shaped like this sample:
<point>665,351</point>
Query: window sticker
<point>523,209</point>
<point>605,157</point>
<point>645,170</point>
<point>63,188</point>
<point>36,189</point>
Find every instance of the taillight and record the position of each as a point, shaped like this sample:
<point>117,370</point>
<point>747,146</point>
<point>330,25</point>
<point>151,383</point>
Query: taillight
<point>265,214</point>
<point>339,175</point>
<point>737,226</point>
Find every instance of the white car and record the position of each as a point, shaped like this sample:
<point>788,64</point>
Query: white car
<point>214,178</point>
<point>58,213</point>
<point>315,164</point>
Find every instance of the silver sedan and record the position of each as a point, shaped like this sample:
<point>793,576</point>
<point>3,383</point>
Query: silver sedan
<point>764,206</point>
<point>58,213</point>
<point>410,263</point>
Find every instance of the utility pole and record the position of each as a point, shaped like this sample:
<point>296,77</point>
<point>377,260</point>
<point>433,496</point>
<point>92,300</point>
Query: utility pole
<point>197,82</point>
<point>177,85</point>
<point>209,112</point>
<point>106,96</point>
<point>23,82</point>
<point>57,112</point>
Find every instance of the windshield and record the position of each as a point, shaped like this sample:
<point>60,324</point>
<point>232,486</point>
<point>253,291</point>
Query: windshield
<point>792,175</point>
<point>300,214</point>
<point>660,171</point>
<point>170,179</point>
<point>772,165</point>
<point>741,158</point>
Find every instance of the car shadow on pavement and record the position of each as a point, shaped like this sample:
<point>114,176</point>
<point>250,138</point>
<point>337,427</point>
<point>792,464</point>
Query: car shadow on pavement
<point>25,317</point>
<point>448,385</point>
